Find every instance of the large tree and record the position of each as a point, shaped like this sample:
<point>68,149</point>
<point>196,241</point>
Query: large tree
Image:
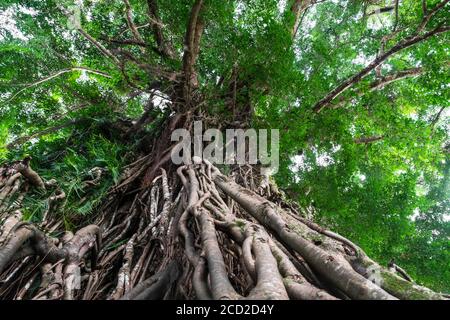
<point>92,207</point>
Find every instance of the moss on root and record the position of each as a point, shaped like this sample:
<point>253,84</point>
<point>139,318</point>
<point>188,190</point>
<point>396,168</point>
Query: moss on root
<point>240,224</point>
<point>404,289</point>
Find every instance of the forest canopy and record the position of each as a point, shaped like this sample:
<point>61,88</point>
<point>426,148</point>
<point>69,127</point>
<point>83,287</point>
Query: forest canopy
<point>358,89</point>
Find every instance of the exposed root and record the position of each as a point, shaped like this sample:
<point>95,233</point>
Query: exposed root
<point>200,235</point>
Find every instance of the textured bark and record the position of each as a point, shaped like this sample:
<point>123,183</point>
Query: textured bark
<point>191,51</point>
<point>200,235</point>
<point>329,265</point>
<point>164,48</point>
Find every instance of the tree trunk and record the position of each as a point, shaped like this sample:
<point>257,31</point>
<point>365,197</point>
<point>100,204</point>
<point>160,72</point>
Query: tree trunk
<point>185,232</point>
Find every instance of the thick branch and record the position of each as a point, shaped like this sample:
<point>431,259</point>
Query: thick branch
<point>380,83</point>
<point>192,48</point>
<point>437,117</point>
<point>99,46</point>
<point>366,140</point>
<point>297,9</point>
<point>430,13</point>
<point>164,48</point>
<point>396,15</point>
<point>401,45</point>
<point>55,75</point>
<point>131,23</point>
<point>403,273</point>
<point>41,133</point>
<point>296,285</point>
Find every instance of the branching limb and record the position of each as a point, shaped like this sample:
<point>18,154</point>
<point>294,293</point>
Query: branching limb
<point>130,22</point>
<point>41,133</point>
<point>436,118</point>
<point>164,48</point>
<point>55,75</point>
<point>297,9</point>
<point>99,46</point>
<point>405,43</point>
<point>191,50</point>
<point>381,82</point>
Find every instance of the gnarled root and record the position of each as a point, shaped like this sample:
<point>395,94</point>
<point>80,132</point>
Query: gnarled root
<point>201,235</point>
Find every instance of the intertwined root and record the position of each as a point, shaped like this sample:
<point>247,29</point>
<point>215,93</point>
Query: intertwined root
<point>206,238</point>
